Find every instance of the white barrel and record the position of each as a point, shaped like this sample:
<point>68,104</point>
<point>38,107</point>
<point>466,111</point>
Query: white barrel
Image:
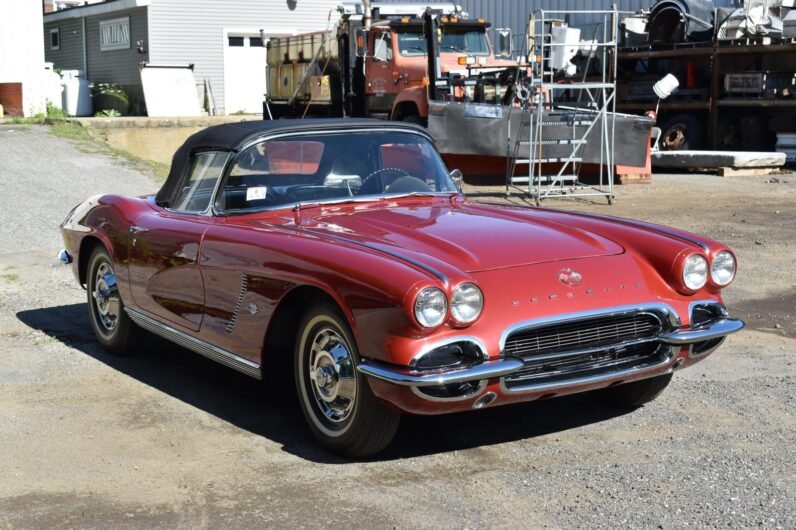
<point>77,94</point>
<point>664,88</point>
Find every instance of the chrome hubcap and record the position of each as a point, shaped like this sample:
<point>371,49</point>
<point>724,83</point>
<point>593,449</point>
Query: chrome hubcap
<point>332,376</point>
<point>106,296</point>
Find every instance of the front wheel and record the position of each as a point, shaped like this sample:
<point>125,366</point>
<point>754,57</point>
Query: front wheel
<point>635,394</point>
<point>335,398</point>
<point>113,328</point>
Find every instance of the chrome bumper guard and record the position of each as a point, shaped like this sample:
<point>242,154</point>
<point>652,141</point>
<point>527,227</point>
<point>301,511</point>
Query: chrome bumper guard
<point>508,365</point>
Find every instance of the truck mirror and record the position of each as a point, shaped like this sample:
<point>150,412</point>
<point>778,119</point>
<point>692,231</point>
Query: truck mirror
<point>503,42</point>
<point>362,42</point>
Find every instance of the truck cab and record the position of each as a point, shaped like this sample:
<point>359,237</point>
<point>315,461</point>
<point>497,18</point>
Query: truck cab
<point>397,63</point>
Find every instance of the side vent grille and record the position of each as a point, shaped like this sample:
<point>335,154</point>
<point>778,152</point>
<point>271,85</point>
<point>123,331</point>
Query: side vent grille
<point>244,288</point>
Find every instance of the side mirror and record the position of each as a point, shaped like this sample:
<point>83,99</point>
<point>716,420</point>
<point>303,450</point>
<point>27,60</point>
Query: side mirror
<point>503,44</point>
<point>362,42</point>
<point>458,179</point>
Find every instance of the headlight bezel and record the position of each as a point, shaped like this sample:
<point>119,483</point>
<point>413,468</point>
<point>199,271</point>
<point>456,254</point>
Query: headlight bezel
<point>457,316</point>
<point>422,297</point>
<point>733,261</point>
<point>692,263</point>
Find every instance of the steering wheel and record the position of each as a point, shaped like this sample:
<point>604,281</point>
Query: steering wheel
<point>380,173</point>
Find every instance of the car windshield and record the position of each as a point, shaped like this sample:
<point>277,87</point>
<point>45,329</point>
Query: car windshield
<point>457,40</point>
<point>333,167</point>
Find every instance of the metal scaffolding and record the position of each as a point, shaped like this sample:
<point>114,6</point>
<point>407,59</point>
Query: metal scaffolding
<point>570,114</point>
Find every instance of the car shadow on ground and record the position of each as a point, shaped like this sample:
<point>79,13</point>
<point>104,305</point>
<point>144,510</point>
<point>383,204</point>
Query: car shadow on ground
<point>270,408</point>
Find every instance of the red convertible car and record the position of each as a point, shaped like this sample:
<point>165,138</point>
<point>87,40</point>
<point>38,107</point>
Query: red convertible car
<point>347,247</point>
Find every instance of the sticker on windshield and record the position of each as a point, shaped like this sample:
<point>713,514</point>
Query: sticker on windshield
<point>256,194</point>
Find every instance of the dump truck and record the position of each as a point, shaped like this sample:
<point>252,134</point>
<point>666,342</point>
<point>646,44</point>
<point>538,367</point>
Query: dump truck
<point>380,71</point>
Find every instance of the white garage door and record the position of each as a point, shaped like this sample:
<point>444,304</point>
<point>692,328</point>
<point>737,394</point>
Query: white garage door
<point>244,73</point>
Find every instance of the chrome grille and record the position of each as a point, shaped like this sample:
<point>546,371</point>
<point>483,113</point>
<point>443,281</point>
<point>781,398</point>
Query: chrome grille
<point>558,352</point>
<point>591,333</point>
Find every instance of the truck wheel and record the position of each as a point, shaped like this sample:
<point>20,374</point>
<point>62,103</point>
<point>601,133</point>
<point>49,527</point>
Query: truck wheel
<point>416,119</point>
<point>682,132</point>
<point>335,398</point>
<point>635,394</point>
<point>113,328</point>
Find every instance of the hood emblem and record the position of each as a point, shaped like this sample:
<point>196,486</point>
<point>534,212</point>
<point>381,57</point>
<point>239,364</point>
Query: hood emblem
<point>570,277</point>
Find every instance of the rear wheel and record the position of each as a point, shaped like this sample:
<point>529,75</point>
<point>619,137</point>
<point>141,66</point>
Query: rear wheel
<point>112,327</point>
<point>335,398</point>
<point>635,394</point>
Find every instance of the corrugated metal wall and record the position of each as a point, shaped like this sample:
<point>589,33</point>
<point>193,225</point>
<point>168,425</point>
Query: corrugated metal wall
<point>514,14</point>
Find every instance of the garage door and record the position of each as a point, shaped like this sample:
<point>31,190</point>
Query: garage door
<point>244,74</point>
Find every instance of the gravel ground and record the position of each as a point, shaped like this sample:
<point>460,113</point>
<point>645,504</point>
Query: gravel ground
<point>169,439</point>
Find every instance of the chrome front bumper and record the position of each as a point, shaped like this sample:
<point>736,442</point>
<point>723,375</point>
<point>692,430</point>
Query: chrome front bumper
<point>502,367</point>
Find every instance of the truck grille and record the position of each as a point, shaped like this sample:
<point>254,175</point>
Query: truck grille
<point>596,346</point>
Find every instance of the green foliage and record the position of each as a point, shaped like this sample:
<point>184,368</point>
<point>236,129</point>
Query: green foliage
<point>108,113</point>
<point>114,91</point>
<point>70,129</point>
<point>54,113</point>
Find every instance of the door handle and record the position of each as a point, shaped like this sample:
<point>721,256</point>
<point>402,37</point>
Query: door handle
<point>138,230</point>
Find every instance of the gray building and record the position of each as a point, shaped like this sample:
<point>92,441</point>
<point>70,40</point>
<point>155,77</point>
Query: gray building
<point>222,39</point>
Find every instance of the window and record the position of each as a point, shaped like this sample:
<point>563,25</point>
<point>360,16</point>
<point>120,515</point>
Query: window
<point>55,39</point>
<point>197,190</point>
<point>457,40</point>
<point>235,41</point>
<point>255,42</point>
<point>114,34</point>
<point>328,167</point>
<point>382,49</point>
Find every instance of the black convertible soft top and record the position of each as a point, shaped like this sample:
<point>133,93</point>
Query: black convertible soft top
<point>233,136</point>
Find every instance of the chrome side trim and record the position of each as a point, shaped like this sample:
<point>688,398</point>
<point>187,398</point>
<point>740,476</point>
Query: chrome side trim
<point>451,340</point>
<point>485,370</point>
<point>201,347</point>
<point>657,308</point>
<point>395,255</point>
<point>639,224</point>
<point>709,330</point>
<point>630,372</point>
<point>470,395</point>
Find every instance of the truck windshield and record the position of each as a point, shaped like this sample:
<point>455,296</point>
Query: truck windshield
<point>454,40</point>
<point>332,168</point>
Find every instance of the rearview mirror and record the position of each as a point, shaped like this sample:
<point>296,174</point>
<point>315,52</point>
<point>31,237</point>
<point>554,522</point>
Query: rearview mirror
<point>458,179</point>
<point>362,42</point>
<point>503,44</point>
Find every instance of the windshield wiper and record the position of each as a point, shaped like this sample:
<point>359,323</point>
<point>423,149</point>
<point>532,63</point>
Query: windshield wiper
<point>420,194</point>
<point>312,204</point>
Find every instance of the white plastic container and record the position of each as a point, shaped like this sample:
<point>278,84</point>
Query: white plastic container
<point>53,87</point>
<point>664,88</point>
<point>561,55</point>
<point>77,94</point>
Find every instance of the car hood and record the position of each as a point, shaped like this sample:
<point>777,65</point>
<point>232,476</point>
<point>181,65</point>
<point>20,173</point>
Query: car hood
<point>470,239</point>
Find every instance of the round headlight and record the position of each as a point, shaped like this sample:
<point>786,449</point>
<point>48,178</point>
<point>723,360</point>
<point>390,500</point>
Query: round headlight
<point>466,303</point>
<point>430,307</point>
<point>695,272</point>
<point>722,269</point>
